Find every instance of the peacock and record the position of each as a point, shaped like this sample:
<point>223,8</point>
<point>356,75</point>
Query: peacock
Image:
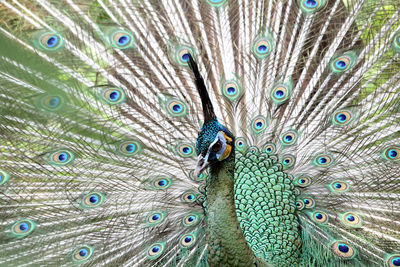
<point>200,133</point>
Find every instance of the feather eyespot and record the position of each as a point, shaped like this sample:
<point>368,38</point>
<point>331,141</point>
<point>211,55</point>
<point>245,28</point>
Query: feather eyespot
<point>60,157</point>
<point>23,228</point>
<point>114,96</point>
<point>309,202</point>
<point>202,176</point>
<point>176,108</point>
<point>161,183</point>
<point>241,144</point>
<point>300,204</point>
<point>155,218</point>
<point>343,63</point>
<point>185,150</point>
<point>288,161</point>
<point>309,6</point>
<point>231,90</point>
<point>320,217</point>
<point>129,148</point>
<point>187,240</point>
<point>392,260</point>
<point>92,200</point>
<point>189,197</point>
<point>121,39</point>
<point>342,117</point>
<point>216,3</point>
<point>303,180</point>
<point>263,47</point>
<point>182,54</point>
<point>280,93</point>
<point>52,102</point>
<point>190,219</point>
<point>269,148</point>
<point>289,138</point>
<point>49,41</point>
<point>396,44</point>
<point>392,153</point>
<point>155,250</point>
<point>259,124</point>
<point>82,254</point>
<point>351,219</point>
<point>323,160</point>
<point>338,187</point>
<point>3,177</point>
<point>343,249</point>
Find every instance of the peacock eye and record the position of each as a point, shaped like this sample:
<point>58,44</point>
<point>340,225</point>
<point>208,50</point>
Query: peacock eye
<point>3,177</point>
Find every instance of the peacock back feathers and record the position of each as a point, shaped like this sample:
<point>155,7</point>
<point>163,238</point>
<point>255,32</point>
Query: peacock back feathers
<point>99,115</point>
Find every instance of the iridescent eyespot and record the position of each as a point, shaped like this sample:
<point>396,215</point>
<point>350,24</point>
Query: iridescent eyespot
<point>280,93</point>
<point>82,254</point>
<point>323,160</point>
<point>161,183</point>
<point>121,39</point>
<point>300,204</point>
<point>259,124</point>
<point>338,187</point>
<point>155,218</point>
<point>344,62</point>
<point>351,219</point>
<point>185,150</point>
<point>252,150</point>
<point>303,180</point>
<point>202,176</point>
<point>191,219</point>
<point>155,250</point>
<point>202,188</point>
<point>49,41</point>
<point>182,54</point>
<point>396,44</point>
<point>319,217</point>
<point>231,90</point>
<point>288,161</point>
<point>289,138</point>
<point>92,200</point>
<point>129,148</point>
<point>392,260</point>
<point>343,249</point>
<point>113,96</point>
<point>23,228</point>
<point>392,153</point>
<point>3,177</point>
<point>52,102</point>
<point>176,108</point>
<point>189,197</point>
<point>216,3</point>
<point>342,117</point>
<point>263,47</point>
<point>309,6</point>
<point>60,157</point>
<point>309,202</point>
<point>240,144</point>
<point>187,240</point>
<point>269,148</point>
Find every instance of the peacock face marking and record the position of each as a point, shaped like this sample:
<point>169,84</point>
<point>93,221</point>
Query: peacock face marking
<point>214,143</point>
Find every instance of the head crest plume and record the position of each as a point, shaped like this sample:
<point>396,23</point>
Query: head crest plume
<point>208,109</point>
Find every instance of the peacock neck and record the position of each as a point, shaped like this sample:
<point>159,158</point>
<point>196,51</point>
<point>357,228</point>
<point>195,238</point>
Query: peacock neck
<point>226,243</point>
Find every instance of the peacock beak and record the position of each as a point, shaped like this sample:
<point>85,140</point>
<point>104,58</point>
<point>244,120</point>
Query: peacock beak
<point>202,163</point>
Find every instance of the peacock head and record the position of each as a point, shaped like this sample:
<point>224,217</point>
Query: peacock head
<point>215,143</point>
